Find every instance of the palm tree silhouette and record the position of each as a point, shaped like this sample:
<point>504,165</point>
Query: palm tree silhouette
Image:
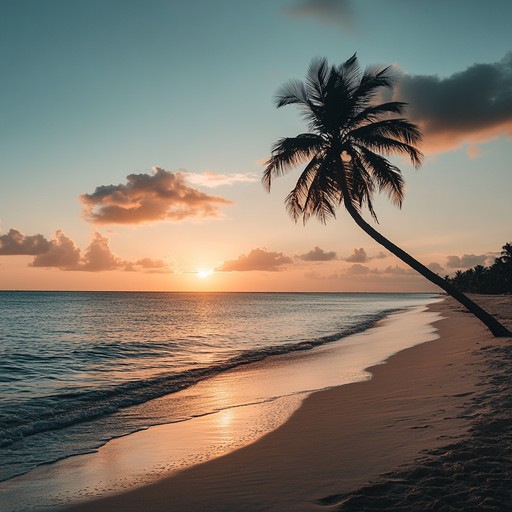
<point>349,134</point>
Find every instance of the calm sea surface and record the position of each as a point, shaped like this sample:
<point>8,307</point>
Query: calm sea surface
<point>72,363</point>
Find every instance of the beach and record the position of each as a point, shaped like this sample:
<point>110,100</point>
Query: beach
<point>429,431</point>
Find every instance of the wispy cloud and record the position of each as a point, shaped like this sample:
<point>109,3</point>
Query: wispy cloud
<point>358,270</point>
<point>467,108</point>
<point>213,179</point>
<point>162,195</point>
<point>318,254</point>
<point>150,264</point>
<point>339,12</point>
<point>257,259</point>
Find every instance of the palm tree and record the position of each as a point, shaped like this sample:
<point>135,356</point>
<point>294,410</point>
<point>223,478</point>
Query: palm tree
<point>344,154</point>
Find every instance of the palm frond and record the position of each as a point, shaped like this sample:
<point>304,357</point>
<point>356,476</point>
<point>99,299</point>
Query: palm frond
<point>373,79</point>
<point>296,199</point>
<point>397,136</point>
<point>315,83</point>
<point>291,93</point>
<point>375,113</point>
<point>315,194</point>
<point>388,177</point>
<point>289,152</point>
<point>349,72</point>
<point>320,201</point>
<point>387,146</point>
<point>360,184</point>
<point>399,129</point>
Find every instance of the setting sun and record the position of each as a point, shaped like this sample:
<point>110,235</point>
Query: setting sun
<point>204,273</point>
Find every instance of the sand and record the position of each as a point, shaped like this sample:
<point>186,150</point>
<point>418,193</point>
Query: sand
<point>430,431</point>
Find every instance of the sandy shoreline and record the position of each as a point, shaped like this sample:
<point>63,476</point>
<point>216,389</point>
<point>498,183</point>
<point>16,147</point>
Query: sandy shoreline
<point>340,440</point>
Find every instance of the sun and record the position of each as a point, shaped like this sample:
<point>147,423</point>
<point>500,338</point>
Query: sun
<point>204,273</point>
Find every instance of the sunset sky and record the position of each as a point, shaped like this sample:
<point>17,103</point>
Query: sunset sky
<point>134,135</point>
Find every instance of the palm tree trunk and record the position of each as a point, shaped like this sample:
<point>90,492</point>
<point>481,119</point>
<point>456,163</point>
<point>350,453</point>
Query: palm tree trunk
<point>494,326</point>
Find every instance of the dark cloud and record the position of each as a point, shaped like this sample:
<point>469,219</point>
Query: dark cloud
<point>318,254</point>
<point>257,259</point>
<point>339,12</point>
<point>467,260</point>
<point>163,195</point>
<point>468,107</point>
<point>16,243</point>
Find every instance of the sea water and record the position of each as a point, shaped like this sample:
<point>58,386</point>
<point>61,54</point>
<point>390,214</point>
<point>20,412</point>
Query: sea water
<point>78,369</point>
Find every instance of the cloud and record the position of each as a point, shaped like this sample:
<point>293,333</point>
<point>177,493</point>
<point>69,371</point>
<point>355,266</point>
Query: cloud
<point>467,260</point>
<point>360,256</point>
<point>149,263</point>
<point>98,256</point>
<point>160,196</point>
<point>318,254</point>
<point>149,266</point>
<point>398,271</point>
<point>467,108</point>
<point>62,253</point>
<point>436,267</point>
<point>358,269</point>
<point>212,179</point>
<point>257,259</point>
<point>339,12</point>
<point>16,243</point>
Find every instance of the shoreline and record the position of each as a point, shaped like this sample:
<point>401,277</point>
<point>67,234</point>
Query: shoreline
<point>342,438</point>
<point>247,402</point>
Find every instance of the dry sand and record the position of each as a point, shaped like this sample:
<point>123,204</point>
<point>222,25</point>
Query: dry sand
<point>430,431</point>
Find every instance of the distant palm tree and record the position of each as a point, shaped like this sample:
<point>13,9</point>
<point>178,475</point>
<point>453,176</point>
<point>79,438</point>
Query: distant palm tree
<point>349,134</point>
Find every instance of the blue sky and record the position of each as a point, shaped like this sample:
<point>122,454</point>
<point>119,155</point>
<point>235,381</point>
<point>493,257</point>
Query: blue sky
<point>92,92</point>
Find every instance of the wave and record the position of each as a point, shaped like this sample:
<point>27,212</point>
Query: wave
<point>55,412</point>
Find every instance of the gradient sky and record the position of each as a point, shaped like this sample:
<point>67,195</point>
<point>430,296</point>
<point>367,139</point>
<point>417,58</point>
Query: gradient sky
<point>169,105</point>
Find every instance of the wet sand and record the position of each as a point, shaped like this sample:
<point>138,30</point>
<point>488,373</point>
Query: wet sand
<point>429,431</point>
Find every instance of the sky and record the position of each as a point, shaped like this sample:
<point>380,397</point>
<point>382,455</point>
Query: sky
<point>134,134</point>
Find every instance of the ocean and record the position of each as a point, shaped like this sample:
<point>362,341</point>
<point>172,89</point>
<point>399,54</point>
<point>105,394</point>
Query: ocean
<point>78,369</point>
